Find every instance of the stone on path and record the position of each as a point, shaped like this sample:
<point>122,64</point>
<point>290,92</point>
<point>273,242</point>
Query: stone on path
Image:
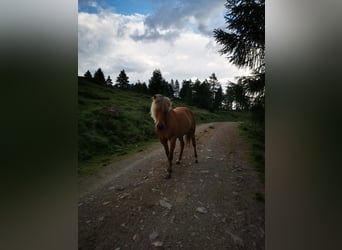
<point>157,243</point>
<point>202,210</point>
<point>154,235</point>
<point>237,240</point>
<point>165,204</point>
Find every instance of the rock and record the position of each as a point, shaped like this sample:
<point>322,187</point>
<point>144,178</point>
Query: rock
<point>124,195</point>
<point>119,188</point>
<point>135,237</point>
<point>165,204</point>
<point>111,188</point>
<point>204,171</point>
<point>157,243</point>
<point>154,235</point>
<point>105,203</point>
<point>202,210</point>
<point>217,215</point>
<point>101,218</point>
<point>237,240</point>
<point>166,212</point>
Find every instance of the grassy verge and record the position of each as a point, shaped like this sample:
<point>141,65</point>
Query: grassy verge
<point>112,123</point>
<point>255,135</point>
<point>91,166</point>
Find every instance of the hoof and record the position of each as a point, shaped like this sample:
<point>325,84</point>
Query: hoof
<point>167,176</point>
<point>177,162</point>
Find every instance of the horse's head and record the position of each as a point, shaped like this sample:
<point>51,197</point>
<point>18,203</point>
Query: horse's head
<point>160,106</point>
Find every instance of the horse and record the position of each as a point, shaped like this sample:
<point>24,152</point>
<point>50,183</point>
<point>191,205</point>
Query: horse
<point>170,124</point>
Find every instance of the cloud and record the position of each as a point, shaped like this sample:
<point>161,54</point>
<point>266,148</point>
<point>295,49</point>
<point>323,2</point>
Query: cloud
<point>153,34</point>
<point>181,14</point>
<point>113,42</point>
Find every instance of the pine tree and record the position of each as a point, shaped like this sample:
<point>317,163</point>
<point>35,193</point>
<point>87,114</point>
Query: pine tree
<point>144,88</point>
<point>172,83</point>
<point>122,80</point>
<point>176,89</point>
<point>238,97</point>
<point>244,41</point>
<point>88,75</point>
<point>218,98</point>
<point>229,97</point>
<point>214,85</point>
<point>109,81</point>
<point>157,84</point>
<point>170,92</point>
<point>206,96</point>
<point>99,77</point>
<point>244,45</point>
<point>186,92</point>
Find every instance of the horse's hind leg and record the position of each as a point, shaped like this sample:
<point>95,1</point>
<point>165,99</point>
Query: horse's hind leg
<point>194,145</point>
<point>172,148</point>
<point>181,151</point>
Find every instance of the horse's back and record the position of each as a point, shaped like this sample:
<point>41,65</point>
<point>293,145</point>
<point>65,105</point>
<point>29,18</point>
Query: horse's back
<point>185,120</point>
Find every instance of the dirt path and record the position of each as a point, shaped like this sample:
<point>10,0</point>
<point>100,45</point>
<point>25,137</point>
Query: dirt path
<point>208,205</point>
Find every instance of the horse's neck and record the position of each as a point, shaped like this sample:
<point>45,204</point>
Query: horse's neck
<point>171,122</point>
<point>170,117</point>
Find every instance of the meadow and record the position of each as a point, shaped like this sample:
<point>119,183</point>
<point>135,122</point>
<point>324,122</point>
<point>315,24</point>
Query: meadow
<point>113,123</point>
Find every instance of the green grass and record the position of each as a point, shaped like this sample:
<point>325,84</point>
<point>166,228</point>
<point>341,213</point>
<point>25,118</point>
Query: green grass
<point>255,135</point>
<point>114,123</point>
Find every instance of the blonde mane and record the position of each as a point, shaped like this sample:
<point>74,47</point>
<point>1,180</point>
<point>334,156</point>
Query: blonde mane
<point>160,103</point>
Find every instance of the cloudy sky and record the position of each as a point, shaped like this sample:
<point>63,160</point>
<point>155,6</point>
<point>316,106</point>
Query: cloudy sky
<point>140,36</point>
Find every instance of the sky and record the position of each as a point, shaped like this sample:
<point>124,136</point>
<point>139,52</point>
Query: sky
<point>139,36</point>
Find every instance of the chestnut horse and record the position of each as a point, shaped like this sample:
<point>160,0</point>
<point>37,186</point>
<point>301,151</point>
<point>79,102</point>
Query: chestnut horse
<point>171,124</point>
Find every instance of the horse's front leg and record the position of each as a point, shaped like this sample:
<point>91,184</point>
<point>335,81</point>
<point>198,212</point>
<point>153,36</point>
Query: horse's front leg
<point>172,149</point>
<point>166,146</point>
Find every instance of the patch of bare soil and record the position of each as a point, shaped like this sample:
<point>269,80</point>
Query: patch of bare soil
<point>207,205</point>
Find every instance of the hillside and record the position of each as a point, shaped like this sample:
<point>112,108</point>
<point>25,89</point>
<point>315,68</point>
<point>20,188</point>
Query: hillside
<point>114,122</point>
